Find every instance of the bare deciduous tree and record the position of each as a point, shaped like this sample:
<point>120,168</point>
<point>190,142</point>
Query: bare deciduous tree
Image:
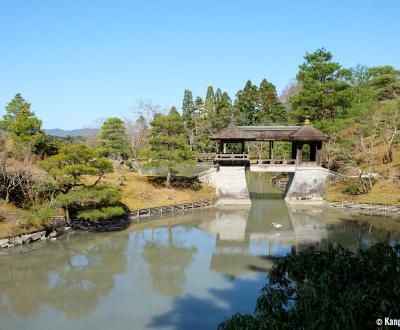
<point>147,109</point>
<point>19,178</point>
<point>137,133</point>
<point>293,88</point>
<point>390,130</point>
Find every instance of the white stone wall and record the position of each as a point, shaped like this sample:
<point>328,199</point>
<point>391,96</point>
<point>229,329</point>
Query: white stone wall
<point>307,184</point>
<point>229,182</point>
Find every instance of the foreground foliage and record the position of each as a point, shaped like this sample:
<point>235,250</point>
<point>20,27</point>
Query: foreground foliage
<point>334,289</point>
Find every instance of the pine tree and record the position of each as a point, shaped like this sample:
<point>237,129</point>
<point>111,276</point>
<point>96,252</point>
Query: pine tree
<point>76,172</point>
<point>326,90</point>
<point>168,146</point>
<point>24,127</point>
<point>113,142</point>
<point>385,80</point>
<point>17,104</point>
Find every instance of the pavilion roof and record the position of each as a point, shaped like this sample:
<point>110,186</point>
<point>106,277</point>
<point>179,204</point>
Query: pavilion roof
<point>232,132</point>
<point>270,133</point>
<point>309,133</point>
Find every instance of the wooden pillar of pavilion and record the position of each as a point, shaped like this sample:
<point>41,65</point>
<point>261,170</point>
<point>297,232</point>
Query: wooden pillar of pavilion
<point>299,153</point>
<point>318,153</point>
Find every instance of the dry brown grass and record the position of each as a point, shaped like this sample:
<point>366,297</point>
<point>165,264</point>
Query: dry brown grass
<point>147,191</point>
<point>383,192</point>
<point>138,192</point>
<point>11,222</point>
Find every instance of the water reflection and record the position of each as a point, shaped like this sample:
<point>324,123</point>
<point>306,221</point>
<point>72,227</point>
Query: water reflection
<point>246,240</point>
<point>185,271</point>
<point>72,278</point>
<point>168,260</point>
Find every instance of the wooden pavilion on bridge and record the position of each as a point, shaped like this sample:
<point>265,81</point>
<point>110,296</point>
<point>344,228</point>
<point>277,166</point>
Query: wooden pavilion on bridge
<point>299,136</point>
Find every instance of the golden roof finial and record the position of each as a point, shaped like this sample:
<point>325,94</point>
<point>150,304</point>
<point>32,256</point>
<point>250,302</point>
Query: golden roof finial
<point>307,121</point>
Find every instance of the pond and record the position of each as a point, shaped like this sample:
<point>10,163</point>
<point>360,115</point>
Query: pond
<point>187,271</point>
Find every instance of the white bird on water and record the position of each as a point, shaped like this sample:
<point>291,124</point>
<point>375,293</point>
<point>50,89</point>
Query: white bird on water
<point>277,225</point>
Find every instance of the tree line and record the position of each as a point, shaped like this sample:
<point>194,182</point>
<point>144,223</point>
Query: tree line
<point>358,107</point>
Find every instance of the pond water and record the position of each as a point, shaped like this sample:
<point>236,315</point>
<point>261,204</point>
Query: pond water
<point>186,271</point>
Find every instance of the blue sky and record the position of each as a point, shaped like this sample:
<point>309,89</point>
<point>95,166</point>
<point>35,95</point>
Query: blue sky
<point>77,61</point>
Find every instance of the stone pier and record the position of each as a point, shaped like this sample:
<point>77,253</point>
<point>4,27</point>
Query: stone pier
<point>307,185</point>
<point>229,182</point>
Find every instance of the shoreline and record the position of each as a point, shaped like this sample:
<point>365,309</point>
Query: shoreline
<point>133,216</point>
<point>385,210</point>
<point>138,215</point>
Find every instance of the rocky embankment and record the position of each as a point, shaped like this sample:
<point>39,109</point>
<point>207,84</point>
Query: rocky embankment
<point>32,237</point>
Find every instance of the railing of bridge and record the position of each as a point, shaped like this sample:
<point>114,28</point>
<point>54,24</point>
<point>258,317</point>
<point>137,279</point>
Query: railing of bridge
<point>276,162</point>
<point>263,162</point>
<point>232,157</point>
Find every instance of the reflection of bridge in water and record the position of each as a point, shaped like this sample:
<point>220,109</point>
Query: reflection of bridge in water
<point>246,238</point>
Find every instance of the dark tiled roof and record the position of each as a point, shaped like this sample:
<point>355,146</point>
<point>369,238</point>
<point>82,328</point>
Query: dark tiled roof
<point>270,133</point>
<point>309,133</point>
<point>232,132</point>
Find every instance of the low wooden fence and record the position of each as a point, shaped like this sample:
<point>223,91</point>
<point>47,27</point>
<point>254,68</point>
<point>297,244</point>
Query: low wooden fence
<point>381,208</point>
<point>158,211</point>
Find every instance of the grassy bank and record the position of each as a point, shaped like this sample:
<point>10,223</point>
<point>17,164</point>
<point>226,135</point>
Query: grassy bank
<point>150,191</point>
<point>386,189</point>
<point>137,192</point>
<point>383,192</point>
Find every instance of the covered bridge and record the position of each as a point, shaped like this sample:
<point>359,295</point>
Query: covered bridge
<point>299,136</point>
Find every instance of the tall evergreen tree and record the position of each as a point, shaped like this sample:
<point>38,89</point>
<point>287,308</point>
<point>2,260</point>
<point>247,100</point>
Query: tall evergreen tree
<point>247,105</point>
<point>13,107</point>
<point>385,80</point>
<point>113,141</point>
<point>278,113</point>
<point>224,112</point>
<point>209,104</point>
<point>326,91</point>
<point>168,146</point>
<point>199,107</point>
<point>24,127</point>
<point>267,96</point>
<point>187,108</point>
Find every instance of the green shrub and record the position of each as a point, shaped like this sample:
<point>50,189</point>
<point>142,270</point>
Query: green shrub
<point>39,215</point>
<point>334,289</point>
<point>88,197</point>
<point>105,213</point>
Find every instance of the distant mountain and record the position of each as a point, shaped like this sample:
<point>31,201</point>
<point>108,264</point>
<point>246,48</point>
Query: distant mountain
<point>72,132</point>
